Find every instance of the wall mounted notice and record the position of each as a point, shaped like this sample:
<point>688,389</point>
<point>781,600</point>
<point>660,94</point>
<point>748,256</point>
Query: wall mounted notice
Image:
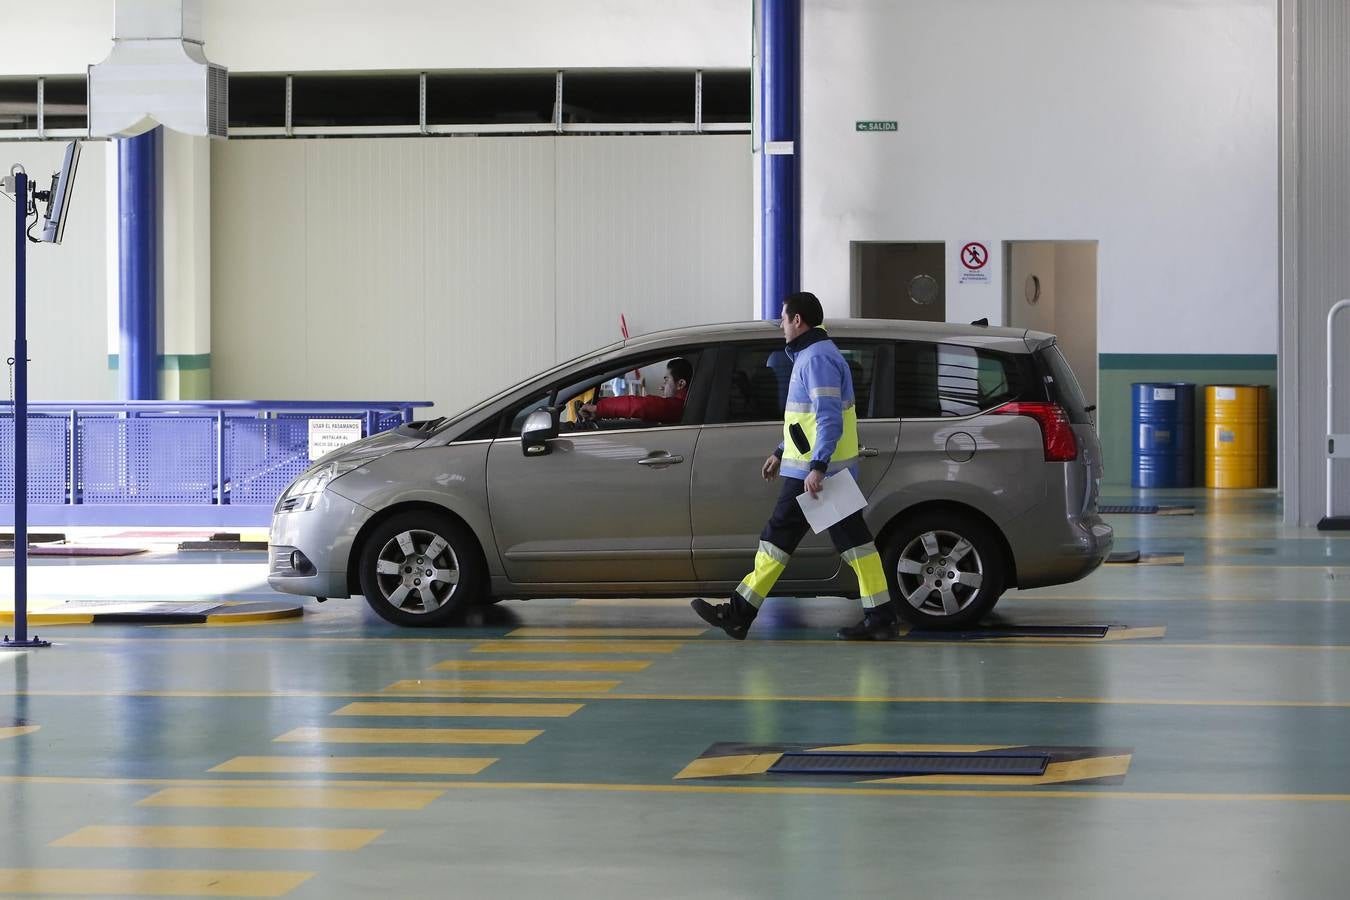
<point>878,125</point>
<point>327,435</point>
<point>974,263</point>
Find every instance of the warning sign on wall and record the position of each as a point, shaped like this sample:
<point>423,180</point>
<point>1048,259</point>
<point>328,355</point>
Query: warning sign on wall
<point>327,435</point>
<point>974,263</point>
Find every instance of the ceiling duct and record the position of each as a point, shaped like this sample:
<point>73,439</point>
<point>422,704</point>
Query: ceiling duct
<point>157,74</point>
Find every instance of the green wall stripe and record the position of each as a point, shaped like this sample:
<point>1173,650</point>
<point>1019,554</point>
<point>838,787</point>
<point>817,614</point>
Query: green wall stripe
<point>1239,361</point>
<point>173,362</point>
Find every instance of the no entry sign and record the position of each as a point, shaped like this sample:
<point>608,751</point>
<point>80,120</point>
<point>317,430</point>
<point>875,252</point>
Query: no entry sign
<point>974,263</point>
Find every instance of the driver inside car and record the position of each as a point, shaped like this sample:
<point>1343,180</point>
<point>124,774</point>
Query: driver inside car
<point>666,409</point>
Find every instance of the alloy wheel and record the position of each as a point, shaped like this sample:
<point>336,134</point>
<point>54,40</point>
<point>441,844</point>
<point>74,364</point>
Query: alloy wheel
<point>940,573</point>
<point>417,571</point>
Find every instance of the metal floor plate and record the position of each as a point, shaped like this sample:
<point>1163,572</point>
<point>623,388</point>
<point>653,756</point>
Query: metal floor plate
<point>855,763</point>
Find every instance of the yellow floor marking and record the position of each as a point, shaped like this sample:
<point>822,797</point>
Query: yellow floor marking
<point>440,787</point>
<point>358,765</point>
<point>17,730</point>
<point>745,764</point>
<point>191,837</point>
<point>1055,773</point>
<point>310,735</point>
<point>498,710</point>
<point>542,665</point>
<point>914,748</point>
<point>541,632</point>
<point>290,798</point>
<point>151,882</point>
<point>37,618</point>
<point>522,646</point>
<point>500,688</point>
<point>242,618</point>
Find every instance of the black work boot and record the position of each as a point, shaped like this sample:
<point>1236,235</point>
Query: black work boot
<point>880,623</point>
<point>734,617</point>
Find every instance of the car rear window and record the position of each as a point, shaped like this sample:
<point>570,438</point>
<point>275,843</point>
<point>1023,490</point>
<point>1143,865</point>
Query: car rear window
<point>1063,385</point>
<point>947,380</point>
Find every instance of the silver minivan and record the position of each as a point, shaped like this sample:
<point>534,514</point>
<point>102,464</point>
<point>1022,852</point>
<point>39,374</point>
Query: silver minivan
<point>977,451</point>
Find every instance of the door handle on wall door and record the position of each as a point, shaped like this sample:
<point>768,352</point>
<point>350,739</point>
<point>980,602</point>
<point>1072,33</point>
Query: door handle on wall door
<point>660,458</point>
<point>868,452</point>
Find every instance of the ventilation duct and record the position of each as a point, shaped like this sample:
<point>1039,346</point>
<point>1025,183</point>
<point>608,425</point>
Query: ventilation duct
<point>157,74</point>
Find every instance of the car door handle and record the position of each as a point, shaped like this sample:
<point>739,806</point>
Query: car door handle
<point>660,458</point>
<point>868,452</point>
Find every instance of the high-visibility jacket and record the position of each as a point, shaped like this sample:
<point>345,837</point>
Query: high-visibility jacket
<point>820,400</point>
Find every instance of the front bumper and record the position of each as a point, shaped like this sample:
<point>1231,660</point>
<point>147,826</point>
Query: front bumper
<point>325,536</point>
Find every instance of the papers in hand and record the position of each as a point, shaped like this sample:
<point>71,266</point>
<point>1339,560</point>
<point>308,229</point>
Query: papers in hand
<point>838,499</point>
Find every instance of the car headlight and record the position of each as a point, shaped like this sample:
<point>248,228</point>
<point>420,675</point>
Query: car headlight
<point>304,491</point>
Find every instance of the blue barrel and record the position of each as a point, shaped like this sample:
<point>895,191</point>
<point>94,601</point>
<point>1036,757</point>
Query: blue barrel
<point>1163,424</point>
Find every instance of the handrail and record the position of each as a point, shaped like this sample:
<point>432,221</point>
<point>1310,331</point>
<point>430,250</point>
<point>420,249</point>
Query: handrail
<point>1334,452</point>
<point>255,405</point>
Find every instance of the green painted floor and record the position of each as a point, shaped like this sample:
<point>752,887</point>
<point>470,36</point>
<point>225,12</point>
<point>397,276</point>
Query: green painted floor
<point>539,749</point>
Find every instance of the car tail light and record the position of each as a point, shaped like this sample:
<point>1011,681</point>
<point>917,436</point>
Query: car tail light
<point>1057,435</point>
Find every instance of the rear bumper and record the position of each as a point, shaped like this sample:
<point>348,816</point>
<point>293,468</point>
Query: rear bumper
<point>1066,557</point>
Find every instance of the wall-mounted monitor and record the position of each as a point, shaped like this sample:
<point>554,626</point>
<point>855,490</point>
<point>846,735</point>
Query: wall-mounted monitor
<point>58,202</point>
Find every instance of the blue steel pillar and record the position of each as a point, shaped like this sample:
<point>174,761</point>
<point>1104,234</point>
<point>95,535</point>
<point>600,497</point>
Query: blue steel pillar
<point>780,149</point>
<point>139,169</point>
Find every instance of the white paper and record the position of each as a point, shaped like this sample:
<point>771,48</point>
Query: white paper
<point>1225,393</point>
<point>1164,393</point>
<point>838,499</point>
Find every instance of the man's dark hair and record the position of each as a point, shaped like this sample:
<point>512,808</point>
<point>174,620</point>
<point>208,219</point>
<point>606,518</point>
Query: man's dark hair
<point>806,305</point>
<point>680,369</point>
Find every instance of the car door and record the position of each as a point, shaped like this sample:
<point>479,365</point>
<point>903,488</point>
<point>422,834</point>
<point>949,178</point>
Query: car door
<point>607,505</point>
<point>729,501</point>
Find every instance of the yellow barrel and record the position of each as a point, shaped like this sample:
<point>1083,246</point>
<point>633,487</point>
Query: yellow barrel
<point>1234,428</point>
<point>1264,474</point>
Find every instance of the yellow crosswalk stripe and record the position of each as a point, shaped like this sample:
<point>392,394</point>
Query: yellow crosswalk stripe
<point>456,687</point>
<point>151,882</point>
<point>542,665</point>
<point>312,735</point>
<point>499,710</point>
<point>357,765</point>
<point>212,837</point>
<point>541,632</point>
<point>292,798</point>
<point>523,646</point>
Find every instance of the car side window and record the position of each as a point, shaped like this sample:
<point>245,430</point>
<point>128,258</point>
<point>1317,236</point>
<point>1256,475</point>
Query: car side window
<point>949,380</point>
<point>638,379</point>
<point>760,374</point>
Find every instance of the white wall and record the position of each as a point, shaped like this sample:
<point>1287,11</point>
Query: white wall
<point>304,35</point>
<point>67,284</point>
<point>444,268</point>
<point>1148,125</point>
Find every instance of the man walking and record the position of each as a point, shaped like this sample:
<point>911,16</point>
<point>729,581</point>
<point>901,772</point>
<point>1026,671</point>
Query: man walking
<point>820,430</point>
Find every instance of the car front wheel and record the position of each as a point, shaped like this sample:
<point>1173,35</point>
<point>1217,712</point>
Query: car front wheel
<point>946,569</point>
<point>421,569</point>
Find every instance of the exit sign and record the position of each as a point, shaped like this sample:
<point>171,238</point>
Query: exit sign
<point>879,125</point>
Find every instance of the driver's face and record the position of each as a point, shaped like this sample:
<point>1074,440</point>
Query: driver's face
<point>668,385</point>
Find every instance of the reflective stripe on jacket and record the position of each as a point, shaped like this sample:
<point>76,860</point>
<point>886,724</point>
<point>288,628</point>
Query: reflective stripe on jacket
<point>820,400</point>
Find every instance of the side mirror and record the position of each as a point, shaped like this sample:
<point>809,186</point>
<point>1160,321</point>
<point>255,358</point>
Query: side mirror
<point>540,427</point>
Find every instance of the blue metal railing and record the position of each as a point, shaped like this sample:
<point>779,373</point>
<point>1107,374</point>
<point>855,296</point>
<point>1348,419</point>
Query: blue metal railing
<point>170,462</point>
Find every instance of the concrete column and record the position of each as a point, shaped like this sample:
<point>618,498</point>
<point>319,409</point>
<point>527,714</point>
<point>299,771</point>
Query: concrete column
<point>185,367</point>
<point>1315,232</point>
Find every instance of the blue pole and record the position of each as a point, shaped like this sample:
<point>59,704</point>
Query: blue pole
<point>138,174</point>
<point>779,110</point>
<point>20,409</point>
